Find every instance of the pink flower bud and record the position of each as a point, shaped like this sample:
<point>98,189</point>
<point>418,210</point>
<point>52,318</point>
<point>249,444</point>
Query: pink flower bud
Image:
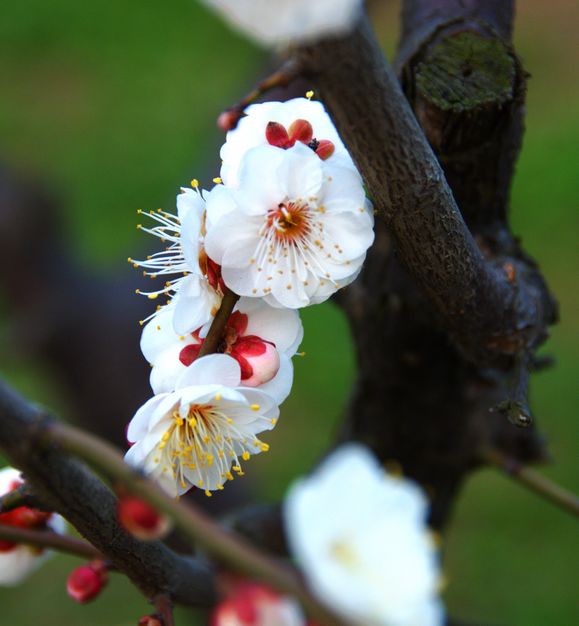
<point>277,136</point>
<point>325,149</point>
<point>87,581</point>
<point>150,620</point>
<point>258,359</point>
<point>252,604</point>
<point>140,519</point>
<point>300,130</point>
<point>229,119</point>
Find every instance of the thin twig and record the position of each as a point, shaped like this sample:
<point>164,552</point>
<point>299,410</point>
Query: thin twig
<point>164,608</point>
<point>49,539</point>
<point>280,78</point>
<point>217,328</point>
<point>534,481</point>
<point>516,406</point>
<point>195,525</point>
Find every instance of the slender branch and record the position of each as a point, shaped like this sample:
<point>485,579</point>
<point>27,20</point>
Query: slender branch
<point>534,481</point>
<point>490,317</point>
<point>49,539</point>
<point>217,328</point>
<point>516,406</point>
<point>280,78</point>
<point>164,608</point>
<point>195,525</point>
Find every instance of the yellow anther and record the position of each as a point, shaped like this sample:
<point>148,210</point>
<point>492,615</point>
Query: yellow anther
<point>208,493</point>
<point>255,407</point>
<point>137,291</point>
<point>229,475</point>
<point>246,456</point>
<point>217,180</point>
<point>217,397</point>
<point>302,354</point>
<point>309,94</point>
<point>264,447</point>
<point>192,422</point>
<point>274,420</point>
<point>209,459</point>
<point>194,183</point>
<point>220,487</point>
<point>200,483</point>
<point>153,296</point>
<point>165,437</point>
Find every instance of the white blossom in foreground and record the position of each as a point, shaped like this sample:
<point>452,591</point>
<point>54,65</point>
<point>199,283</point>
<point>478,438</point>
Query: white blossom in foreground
<point>18,561</point>
<point>361,539</point>
<point>200,433</point>
<point>294,232</point>
<point>198,289</point>
<point>282,124</point>
<point>260,338</point>
<point>279,22</point>
<point>253,604</point>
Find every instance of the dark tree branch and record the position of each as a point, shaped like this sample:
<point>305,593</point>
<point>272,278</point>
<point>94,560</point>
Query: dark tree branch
<point>490,316</point>
<point>21,496</point>
<point>69,488</point>
<point>217,328</point>
<point>49,539</point>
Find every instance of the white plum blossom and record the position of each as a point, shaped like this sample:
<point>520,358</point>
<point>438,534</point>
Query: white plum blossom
<point>197,434</point>
<point>262,340</point>
<point>253,604</point>
<point>18,561</point>
<point>361,539</point>
<point>295,230</point>
<point>282,124</point>
<point>198,290</point>
<point>280,22</point>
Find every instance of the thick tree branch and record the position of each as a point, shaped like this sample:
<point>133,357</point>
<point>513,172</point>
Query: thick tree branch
<point>69,488</point>
<point>488,314</point>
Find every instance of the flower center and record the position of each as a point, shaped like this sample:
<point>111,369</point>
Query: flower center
<point>290,221</point>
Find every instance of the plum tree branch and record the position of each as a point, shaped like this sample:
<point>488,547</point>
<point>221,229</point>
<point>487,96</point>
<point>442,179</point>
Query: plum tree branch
<point>49,539</point>
<point>534,481</point>
<point>69,488</point>
<point>490,315</point>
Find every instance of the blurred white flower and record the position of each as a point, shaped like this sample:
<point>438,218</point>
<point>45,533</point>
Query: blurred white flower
<point>295,230</point>
<point>280,22</point>
<point>198,289</point>
<point>299,119</point>
<point>197,434</point>
<point>260,338</point>
<point>361,539</point>
<point>18,561</point>
<point>257,605</point>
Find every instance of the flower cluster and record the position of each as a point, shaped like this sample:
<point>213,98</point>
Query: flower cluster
<point>18,561</point>
<point>285,226</point>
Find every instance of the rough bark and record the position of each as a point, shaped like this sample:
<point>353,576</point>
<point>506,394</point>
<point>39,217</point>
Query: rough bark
<point>447,304</point>
<point>65,485</point>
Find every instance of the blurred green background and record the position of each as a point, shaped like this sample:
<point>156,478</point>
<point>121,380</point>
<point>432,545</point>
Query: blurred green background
<point>114,104</point>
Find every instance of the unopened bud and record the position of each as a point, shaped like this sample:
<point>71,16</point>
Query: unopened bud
<point>258,359</point>
<point>150,620</point>
<point>87,581</point>
<point>300,130</point>
<point>141,519</point>
<point>229,119</point>
<point>325,149</point>
<point>277,136</point>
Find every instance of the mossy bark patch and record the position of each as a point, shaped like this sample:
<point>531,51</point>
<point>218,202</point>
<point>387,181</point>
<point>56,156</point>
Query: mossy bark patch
<point>466,71</point>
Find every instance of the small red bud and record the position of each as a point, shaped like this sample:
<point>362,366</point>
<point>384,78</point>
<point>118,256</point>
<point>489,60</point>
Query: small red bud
<point>300,130</point>
<point>87,581</point>
<point>6,546</point>
<point>229,119</point>
<point>150,620</point>
<point>277,136</point>
<point>141,519</point>
<point>325,149</point>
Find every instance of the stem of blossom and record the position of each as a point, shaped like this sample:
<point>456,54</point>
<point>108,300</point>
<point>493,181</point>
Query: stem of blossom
<point>49,539</point>
<point>215,334</point>
<point>534,481</point>
<point>280,78</point>
<point>195,525</point>
<point>164,608</point>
